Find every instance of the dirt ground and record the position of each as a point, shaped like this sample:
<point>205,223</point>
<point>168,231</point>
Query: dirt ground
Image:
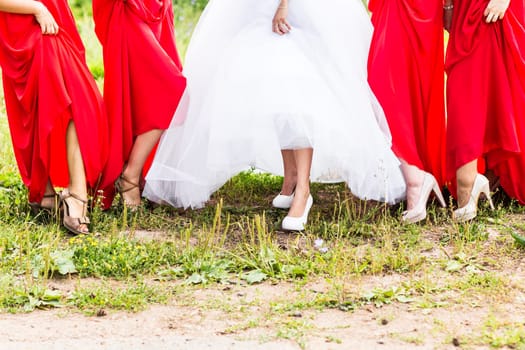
<point>216,318</point>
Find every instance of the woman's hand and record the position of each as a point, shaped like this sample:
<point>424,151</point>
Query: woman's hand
<point>45,19</point>
<point>496,10</point>
<point>279,24</point>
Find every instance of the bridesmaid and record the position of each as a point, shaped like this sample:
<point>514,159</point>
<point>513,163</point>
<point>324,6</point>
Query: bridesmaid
<point>55,111</point>
<point>486,100</point>
<point>142,85</point>
<point>406,72</point>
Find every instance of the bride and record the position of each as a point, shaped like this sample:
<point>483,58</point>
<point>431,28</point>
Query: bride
<point>281,86</point>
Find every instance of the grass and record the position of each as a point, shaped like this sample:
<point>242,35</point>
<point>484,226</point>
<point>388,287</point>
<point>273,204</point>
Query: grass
<point>137,259</point>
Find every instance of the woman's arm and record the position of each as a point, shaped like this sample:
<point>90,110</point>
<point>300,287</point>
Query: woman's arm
<point>448,10</point>
<point>35,8</point>
<point>496,10</point>
<point>279,24</point>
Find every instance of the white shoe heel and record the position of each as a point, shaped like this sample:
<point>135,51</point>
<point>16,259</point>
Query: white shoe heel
<point>282,201</point>
<point>470,211</point>
<point>419,212</point>
<point>297,223</point>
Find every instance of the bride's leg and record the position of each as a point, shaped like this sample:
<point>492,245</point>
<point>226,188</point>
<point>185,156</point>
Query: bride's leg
<point>290,172</point>
<point>414,181</point>
<point>303,163</point>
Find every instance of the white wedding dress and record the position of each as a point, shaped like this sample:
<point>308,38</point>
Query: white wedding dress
<point>252,93</point>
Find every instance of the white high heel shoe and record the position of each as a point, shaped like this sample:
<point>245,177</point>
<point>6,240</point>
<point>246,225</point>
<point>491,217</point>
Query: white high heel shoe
<point>283,201</point>
<point>419,212</point>
<point>469,211</point>
<point>297,223</point>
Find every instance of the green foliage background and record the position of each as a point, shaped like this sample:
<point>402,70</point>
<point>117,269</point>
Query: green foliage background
<point>84,6</point>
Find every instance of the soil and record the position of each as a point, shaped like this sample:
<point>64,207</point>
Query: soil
<point>217,317</point>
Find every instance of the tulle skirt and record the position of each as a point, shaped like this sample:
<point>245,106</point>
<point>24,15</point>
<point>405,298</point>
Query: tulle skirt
<point>252,93</point>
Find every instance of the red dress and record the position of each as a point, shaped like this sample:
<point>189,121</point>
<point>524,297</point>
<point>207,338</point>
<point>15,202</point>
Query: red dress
<point>46,85</point>
<point>406,73</point>
<point>486,93</point>
<point>143,82</point>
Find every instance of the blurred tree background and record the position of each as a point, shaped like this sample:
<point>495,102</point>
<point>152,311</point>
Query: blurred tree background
<point>187,13</point>
<point>84,6</point>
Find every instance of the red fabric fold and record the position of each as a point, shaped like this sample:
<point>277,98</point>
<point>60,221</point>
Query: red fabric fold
<point>406,73</point>
<point>143,82</point>
<point>486,93</point>
<point>47,84</point>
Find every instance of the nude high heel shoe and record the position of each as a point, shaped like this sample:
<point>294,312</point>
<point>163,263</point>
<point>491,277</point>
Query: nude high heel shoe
<point>419,212</point>
<point>469,211</point>
<point>71,223</point>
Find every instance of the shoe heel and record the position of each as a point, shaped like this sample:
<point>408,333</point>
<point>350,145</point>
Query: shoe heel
<point>486,191</point>
<point>439,195</point>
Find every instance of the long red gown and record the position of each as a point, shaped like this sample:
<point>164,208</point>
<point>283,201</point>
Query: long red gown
<point>46,85</point>
<point>143,82</point>
<point>406,73</point>
<point>486,93</point>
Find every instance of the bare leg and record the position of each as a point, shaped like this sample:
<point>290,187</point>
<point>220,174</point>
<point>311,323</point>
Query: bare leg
<point>49,200</point>
<point>290,172</point>
<point>303,163</point>
<point>414,181</point>
<point>466,175</point>
<point>77,176</point>
<point>142,147</point>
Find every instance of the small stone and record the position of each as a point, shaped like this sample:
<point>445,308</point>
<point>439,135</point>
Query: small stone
<point>101,313</point>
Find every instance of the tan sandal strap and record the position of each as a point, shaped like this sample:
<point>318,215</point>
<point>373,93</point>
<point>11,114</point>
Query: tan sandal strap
<point>75,196</point>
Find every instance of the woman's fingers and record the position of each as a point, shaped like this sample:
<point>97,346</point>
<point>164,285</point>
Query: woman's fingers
<point>277,28</point>
<point>495,10</point>
<point>49,28</point>
<point>47,22</point>
<point>281,27</point>
<point>493,17</point>
<point>287,25</point>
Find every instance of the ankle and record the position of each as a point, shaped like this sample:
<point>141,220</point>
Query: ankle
<point>302,191</point>
<point>76,204</point>
<point>464,191</point>
<point>131,175</point>
<point>289,185</point>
